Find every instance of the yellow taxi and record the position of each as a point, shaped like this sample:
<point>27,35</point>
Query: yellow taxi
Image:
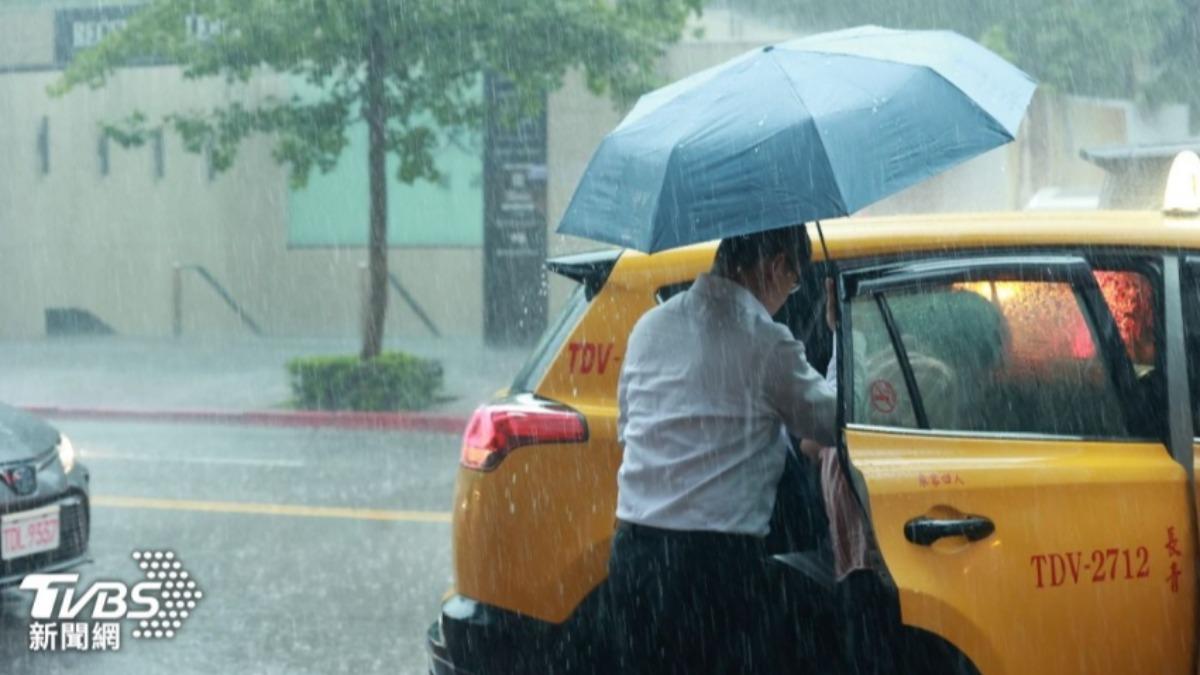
<point>1021,399</point>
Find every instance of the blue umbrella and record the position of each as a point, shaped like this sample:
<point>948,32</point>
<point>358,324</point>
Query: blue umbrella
<point>813,128</point>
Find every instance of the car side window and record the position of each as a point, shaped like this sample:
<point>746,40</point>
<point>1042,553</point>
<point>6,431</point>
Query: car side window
<point>1009,356</point>
<point>880,393</point>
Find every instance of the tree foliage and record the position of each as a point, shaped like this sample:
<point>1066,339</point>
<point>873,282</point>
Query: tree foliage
<point>410,69</point>
<point>437,52</point>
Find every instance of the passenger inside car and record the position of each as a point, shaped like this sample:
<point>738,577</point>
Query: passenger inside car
<point>953,339</point>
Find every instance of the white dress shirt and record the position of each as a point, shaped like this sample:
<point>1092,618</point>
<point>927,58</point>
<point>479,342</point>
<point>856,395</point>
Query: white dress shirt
<point>709,388</point>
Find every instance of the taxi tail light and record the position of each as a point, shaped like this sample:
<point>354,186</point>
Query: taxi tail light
<point>497,429</point>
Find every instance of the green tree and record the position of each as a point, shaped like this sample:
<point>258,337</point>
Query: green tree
<point>411,69</point>
<point>1139,49</point>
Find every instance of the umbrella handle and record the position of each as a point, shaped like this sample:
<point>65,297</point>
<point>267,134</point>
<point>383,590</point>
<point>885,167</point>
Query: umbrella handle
<point>825,250</point>
<point>830,264</point>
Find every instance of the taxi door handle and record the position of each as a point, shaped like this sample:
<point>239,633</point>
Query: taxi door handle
<point>923,531</point>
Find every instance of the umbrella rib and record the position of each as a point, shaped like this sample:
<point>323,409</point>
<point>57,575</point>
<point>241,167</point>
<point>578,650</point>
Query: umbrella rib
<point>925,66</point>
<point>656,234</point>
<point>833,52</point>
<point>974,103</point>
<point>800,99</point>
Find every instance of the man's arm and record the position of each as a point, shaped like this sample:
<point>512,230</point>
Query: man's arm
<point>806,401</point>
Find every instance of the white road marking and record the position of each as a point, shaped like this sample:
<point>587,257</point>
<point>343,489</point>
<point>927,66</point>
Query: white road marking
<point>261,509</point>
<point>93,455</point>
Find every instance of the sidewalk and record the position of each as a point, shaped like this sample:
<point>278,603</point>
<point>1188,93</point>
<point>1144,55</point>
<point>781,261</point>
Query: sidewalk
<point>220,379</point>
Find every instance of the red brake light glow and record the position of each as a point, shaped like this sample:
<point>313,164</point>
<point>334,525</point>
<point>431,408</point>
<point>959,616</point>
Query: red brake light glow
<point>496,430</point>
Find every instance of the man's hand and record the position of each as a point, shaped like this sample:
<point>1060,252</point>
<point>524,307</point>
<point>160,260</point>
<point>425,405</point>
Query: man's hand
<point>811,450</point>
<point>830,305</point>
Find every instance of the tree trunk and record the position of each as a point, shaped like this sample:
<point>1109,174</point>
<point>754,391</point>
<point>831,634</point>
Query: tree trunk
<point>376,114</point>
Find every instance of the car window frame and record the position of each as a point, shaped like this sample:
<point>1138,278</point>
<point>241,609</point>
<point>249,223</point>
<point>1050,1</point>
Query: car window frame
<point>541,357</point>
<point>918,268</point>
<point>900,349</point>
<point>1152,267</point>
<point>1189,283</point>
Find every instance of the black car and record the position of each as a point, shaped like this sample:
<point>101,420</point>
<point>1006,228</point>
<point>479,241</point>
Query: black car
<point>44,507</point>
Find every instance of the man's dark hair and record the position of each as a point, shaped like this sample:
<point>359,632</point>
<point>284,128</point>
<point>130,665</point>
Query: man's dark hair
<point>736,255</point>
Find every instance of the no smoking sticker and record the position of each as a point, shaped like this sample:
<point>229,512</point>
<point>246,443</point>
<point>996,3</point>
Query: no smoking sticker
<point>883,396</point>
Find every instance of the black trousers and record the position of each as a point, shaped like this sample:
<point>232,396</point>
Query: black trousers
<point>691,602</point>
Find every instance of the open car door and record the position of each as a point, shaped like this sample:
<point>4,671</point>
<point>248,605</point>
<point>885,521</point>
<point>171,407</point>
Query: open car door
<point>1016,458</point>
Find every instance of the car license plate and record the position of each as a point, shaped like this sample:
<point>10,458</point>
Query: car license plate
<point>29,532</point>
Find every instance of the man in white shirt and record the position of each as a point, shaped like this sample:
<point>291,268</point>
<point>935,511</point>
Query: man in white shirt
<point>710,387</point>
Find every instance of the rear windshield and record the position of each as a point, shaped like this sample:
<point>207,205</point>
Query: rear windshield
<point>543,354</point>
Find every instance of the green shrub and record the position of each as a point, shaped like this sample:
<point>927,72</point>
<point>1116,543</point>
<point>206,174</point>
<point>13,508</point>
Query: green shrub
<point>391,381</point>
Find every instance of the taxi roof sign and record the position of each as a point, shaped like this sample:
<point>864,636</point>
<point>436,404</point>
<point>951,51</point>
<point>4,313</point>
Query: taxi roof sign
<point>1182,194</point>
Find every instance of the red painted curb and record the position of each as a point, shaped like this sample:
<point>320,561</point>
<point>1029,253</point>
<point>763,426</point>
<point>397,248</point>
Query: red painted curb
<point>378,421</point>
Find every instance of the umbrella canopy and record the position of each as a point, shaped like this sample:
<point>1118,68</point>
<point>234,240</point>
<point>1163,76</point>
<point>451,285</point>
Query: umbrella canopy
<point>813,128</point>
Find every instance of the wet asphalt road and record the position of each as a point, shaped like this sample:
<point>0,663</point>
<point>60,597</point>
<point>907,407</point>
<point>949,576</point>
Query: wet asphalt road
<point>318,551</point>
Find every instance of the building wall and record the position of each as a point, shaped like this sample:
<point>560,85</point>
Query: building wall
<point>26,37</point>
<point>75,237</point>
